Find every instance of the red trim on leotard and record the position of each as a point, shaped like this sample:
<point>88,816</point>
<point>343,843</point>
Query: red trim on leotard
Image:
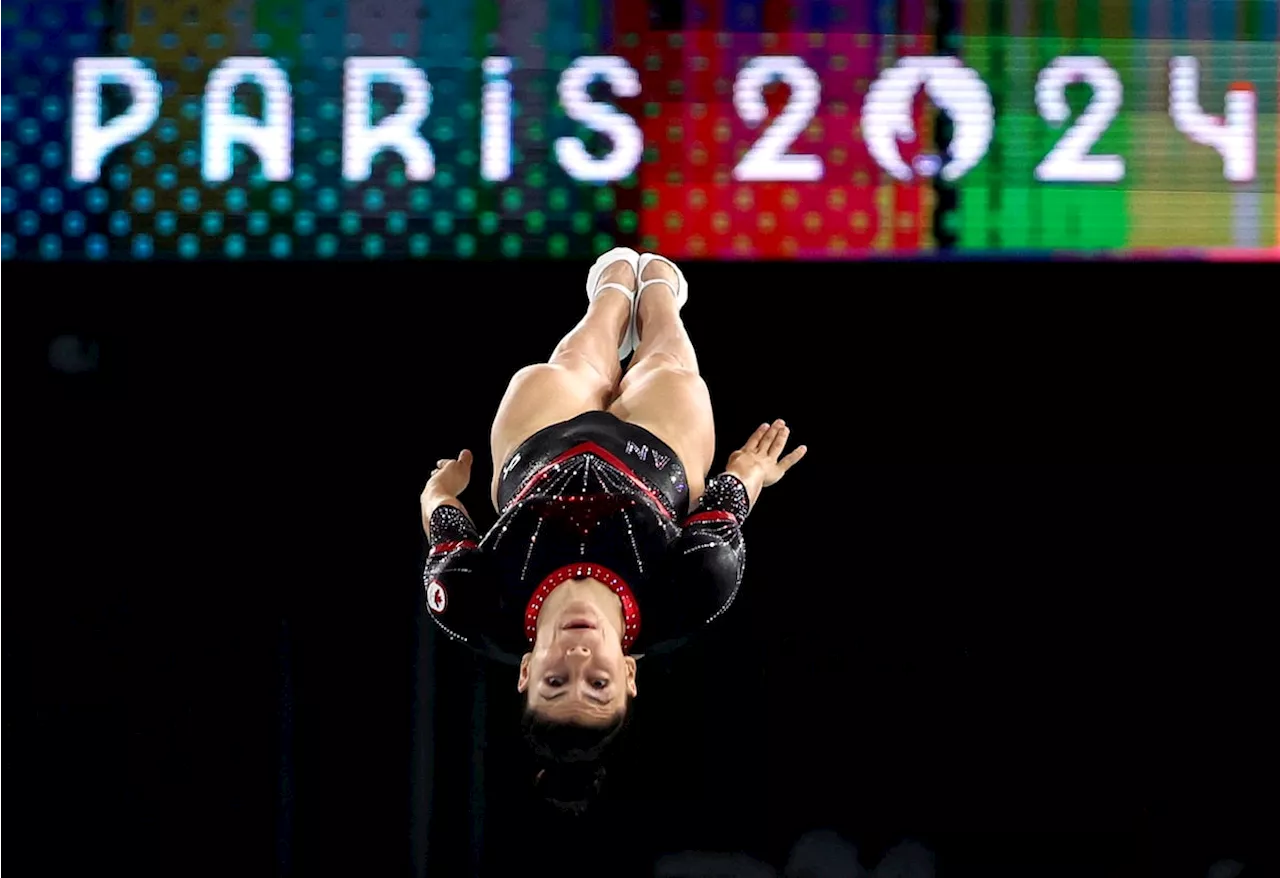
<point>630,608</point>
<point>449,546</point>
<point>714,515</point>
<point>608,458</point>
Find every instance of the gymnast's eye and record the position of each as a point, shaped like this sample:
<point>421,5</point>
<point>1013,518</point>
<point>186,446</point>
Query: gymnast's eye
<point>599,683</point>
<point>555,682</point>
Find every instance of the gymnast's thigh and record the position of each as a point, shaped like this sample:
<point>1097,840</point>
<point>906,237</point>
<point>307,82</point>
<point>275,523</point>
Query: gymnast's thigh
<point>537,397</point>
<point>674,405</point>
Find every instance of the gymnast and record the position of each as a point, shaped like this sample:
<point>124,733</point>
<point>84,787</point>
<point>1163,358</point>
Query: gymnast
<point>611,543</point>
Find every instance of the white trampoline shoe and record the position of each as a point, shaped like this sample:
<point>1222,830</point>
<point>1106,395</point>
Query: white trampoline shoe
<point>632,258</point>
<point>679,289</point>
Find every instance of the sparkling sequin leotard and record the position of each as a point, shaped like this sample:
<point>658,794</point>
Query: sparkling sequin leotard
<point>591,497</point>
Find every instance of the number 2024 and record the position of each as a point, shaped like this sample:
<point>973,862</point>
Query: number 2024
<point>960,92</point>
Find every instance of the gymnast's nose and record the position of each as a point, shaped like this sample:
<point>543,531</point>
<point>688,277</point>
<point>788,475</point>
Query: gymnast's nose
<point>579,652</point>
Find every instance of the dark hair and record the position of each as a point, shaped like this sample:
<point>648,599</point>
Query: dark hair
<point>570,758</point>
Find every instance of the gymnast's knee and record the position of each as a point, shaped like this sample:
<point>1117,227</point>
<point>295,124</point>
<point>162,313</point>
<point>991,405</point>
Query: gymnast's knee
<point>589,367</point>
<point>569,370</point>
<point>661,362</point>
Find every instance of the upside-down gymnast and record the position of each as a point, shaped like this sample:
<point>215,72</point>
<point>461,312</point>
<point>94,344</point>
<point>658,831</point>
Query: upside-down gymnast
<point>611,542</point>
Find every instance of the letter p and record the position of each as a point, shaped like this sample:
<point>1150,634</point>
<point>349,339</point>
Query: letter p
<point>91,138</point>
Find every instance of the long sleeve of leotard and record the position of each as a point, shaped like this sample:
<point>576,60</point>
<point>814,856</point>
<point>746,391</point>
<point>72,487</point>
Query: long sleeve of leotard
<point>458,592</point>
<point>707,559</point>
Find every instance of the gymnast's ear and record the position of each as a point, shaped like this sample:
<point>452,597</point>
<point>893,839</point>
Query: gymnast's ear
<point>631,675</point>
<point>523,683</point>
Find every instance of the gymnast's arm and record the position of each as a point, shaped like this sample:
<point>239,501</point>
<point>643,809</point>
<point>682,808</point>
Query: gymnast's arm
<point>459,595</point>
<point>708,558</point>
<point>714,533</point>
<point>705,562</point>
<point>447,527</point>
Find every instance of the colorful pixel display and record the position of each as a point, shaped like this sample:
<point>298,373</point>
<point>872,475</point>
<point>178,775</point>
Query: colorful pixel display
<point>732,129</point>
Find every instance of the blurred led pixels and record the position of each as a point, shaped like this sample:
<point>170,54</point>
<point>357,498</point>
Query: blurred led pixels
<point>299,177</point>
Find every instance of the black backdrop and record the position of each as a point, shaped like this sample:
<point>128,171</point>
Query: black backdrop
<point>1009,607</point>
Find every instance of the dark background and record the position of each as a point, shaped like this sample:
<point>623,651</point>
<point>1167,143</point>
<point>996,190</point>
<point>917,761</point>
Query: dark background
<point>1009,607</point>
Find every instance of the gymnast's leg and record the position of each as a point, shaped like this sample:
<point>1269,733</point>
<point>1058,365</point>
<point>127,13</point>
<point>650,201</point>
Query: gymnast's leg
<point>581,375</point>
<point>662,390</point>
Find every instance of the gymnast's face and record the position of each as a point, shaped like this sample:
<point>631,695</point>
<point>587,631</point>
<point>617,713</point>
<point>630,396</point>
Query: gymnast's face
<point>577,671</point>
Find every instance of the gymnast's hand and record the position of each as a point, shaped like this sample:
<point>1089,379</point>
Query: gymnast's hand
<point>451,476</point>
<point>758,463</point>
<point>449,479</point>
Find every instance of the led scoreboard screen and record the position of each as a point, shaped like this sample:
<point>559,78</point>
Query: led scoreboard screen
<point>730,129</point>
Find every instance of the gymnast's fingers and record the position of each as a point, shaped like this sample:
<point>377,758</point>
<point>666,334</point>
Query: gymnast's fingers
<point>793,458</point>
<point>778,441</point>
<point>753,441</point>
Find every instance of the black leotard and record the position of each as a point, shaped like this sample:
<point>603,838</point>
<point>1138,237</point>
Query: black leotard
<point>593,496</point>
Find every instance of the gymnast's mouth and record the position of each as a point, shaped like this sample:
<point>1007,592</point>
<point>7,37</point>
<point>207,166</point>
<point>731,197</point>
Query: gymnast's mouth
<point>578,625</point>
